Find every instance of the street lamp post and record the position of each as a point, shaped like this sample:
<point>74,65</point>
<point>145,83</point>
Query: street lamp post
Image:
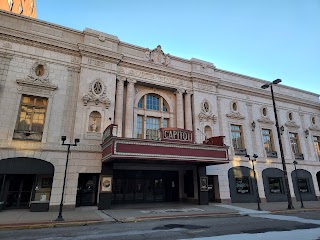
<point>63,139</point>
<point>295,169</point>
<point>254,158</point>
<point>286,182</point>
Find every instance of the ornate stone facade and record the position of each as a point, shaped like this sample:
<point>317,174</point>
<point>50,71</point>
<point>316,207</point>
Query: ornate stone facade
<point>91,80</point>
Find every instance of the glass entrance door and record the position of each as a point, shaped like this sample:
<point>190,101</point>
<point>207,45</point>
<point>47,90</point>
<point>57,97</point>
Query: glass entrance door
<point>19,189</point>
<point>145,186</point>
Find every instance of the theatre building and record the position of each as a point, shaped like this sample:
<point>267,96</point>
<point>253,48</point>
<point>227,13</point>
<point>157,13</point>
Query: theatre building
<point>152,127</point>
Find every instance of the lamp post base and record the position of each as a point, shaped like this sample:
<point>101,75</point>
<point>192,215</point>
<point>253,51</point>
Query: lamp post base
<point>59,219</point>
<point>290,207</point>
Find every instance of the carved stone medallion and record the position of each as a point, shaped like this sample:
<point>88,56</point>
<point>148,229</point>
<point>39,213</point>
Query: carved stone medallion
<point>97,93</point>
<point>206,112</point>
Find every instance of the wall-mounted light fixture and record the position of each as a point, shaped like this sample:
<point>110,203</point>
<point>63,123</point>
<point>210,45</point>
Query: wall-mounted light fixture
<point>253,125</point>
<point>282,129</point>
<point>306,132</point>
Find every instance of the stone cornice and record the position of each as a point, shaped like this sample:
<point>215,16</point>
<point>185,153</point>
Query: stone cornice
<point>37,84</point>
<point>263,81</point>
<point>38,41</point>
<point>247,90</point>
<point>95,52</point>
<point>101,35</point>
<point>40,22</point>
<point>157,69</point>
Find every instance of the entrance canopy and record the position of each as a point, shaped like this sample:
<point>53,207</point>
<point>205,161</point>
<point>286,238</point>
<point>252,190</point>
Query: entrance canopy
<point>115,148</point>
<point>25,166</point>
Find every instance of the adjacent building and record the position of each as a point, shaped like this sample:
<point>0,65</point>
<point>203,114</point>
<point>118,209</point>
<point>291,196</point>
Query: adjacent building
<point>22,7</point>
<point>153,127</point>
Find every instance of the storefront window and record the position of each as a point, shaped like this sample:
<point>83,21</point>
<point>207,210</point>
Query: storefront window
<point>242,185</point>
<point>303,185</point>
<point>275,185</point>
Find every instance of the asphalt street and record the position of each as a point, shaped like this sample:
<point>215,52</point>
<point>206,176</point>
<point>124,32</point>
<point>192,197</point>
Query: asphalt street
<point>183,228</point>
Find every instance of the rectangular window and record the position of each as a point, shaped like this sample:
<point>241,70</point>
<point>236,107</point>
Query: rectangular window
<point>275,185</point>
<point>139,126</point>
<point>294,140</point>
<point>153,103</point>
<point>316,142</point>
<point>31,118</point>
<point>152,128</point>
<point>236,134</point>
<point>267,140</point>
<point>242,185</point>
<point>165,123</point>
<point>303,185</point>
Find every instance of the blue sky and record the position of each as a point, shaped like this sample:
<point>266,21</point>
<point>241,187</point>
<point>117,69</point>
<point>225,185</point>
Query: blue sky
<point>267,39</point>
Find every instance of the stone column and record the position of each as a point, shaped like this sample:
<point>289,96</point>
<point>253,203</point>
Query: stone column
<point>5,60</point>
<point>188,111</point>
<point>129,108</point>
<point>119,104</point>
<point>179,108</point>
<point>220,116</point>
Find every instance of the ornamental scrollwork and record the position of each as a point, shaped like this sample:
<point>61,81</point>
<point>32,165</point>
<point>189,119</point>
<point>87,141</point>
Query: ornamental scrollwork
<point>97,94</point>
<point>157,56</point>
<point>206,112</point>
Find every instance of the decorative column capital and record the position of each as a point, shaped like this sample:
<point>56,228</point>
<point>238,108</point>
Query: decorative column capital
<point>132,81</point>
<point>189,92</point>
<point>121,78</point>
<point>179,91</point>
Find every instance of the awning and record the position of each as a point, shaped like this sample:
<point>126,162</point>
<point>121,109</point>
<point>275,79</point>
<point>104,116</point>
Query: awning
<point>114,149</point>
<point>25,165</point>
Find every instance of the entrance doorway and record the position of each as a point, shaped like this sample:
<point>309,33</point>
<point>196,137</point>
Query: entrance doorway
<point>87,189</point>
<point>18,189</point>
<point>145,186</point>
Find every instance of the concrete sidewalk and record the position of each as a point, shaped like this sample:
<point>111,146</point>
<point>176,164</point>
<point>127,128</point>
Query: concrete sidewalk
<point>19,219</point>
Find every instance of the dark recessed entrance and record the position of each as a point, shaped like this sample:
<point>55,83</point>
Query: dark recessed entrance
<point>145,186</point>
<point>18,189</point>
<point>87,189</point>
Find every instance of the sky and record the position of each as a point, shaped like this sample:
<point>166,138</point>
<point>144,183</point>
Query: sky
<point>266,39</point>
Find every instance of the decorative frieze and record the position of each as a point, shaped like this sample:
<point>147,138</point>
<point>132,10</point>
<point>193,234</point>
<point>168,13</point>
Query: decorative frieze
<point>235,115</point>
<point>154,77</point>
<point>265,120</point>
<point>314,128</point>
<point>291,124</point>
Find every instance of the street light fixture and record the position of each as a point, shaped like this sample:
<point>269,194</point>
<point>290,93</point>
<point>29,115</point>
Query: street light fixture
<point>295,163</point>
<point>286,182</point>
<point>254,159</point>
<point>63,139</point>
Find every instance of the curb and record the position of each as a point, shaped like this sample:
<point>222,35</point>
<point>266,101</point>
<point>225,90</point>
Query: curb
<point>18,226</point>
<point>216,215</point>
<point>295,210</point>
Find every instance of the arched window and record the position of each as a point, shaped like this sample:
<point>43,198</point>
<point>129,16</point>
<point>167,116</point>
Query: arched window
<point>152,114</point>
<point>94,122</point>
<point>208,132</point>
